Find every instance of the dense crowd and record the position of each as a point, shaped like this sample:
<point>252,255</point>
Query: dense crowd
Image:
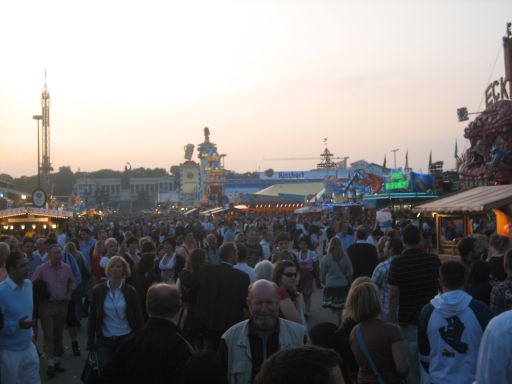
<point>217,300</point>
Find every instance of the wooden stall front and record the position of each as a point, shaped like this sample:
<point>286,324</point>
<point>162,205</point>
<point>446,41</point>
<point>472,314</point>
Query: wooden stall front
<point>27,219</point>
<point>458,211</point>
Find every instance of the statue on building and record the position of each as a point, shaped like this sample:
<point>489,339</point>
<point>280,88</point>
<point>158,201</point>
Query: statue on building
<point>125,177</point>
<point>189,150</point>
<point>206,134</point>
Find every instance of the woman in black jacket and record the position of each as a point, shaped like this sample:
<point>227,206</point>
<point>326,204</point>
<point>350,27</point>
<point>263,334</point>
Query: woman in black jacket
<point>115,311</point>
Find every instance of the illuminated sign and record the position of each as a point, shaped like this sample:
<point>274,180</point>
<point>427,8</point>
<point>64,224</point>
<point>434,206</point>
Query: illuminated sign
<point>398,181</point>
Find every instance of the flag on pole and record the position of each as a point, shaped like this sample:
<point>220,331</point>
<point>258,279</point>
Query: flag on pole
<point>430,161</point>
<point>456,150</point>
<point>384,162</point>
<point>407,159</point>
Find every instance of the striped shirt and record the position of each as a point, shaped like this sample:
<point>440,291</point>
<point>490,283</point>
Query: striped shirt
<point>416,275</point>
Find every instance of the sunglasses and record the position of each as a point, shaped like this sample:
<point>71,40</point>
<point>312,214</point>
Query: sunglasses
<point>290,274</point>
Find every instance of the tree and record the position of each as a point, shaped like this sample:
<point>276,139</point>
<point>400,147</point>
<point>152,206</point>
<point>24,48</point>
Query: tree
<point>63,181</point>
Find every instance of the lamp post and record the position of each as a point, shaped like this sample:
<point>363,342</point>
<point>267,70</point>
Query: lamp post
<point>394,156</point>
<point>38,118</point>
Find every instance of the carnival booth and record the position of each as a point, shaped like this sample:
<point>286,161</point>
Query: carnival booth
<point>454,215</point>
<point>402,190</point>
<point>29,219</point>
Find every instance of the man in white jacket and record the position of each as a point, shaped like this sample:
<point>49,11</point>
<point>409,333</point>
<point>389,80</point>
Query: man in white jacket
<point>450,329</point>
<point>246,345</point>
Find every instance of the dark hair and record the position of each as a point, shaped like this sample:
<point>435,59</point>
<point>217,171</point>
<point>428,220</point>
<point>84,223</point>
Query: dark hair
<point>226,250</point>
<point>330,232</point>
<point>146,264</point>
<point>396,245</point>
<point>242,251</point>
<point>305,239</point>
<point>204,367</point>
<point>132,240</point>
<point>163,300</point>
<point>279,268</point>
<point>148,247</point>
<point>303,365</point>
<point>196,259</point>
<point>28,239</point>
<point>411,235</point>
<point>322,335</point>
<point>453,274</point>
<point>479,271</point>
<point>507,260</point>
<point>170,240</point>
<point>361,233</point>
<point>465,246</point>
<point>281,236</point>
<point>12,260</point>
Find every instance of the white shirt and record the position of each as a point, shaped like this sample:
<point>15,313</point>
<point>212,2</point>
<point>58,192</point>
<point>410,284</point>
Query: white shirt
<point>494,363</point>
<point>115,322</point>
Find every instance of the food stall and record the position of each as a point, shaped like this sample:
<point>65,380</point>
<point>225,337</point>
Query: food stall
<point>30,219</point>
<point>455,214</point>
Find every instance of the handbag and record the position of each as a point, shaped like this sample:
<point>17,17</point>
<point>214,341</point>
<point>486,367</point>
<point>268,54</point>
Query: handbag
<point>364,350</point>
<point>90,373</point>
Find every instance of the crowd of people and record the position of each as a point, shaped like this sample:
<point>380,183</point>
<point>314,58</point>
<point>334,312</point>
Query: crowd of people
<point>185,300</point>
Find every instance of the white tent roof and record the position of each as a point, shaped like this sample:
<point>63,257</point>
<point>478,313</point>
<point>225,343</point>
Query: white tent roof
<point>473,200</point>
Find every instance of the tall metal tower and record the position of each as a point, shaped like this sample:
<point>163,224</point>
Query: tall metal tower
<point>46,166</point>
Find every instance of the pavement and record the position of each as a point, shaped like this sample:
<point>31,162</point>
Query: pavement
<point>74,365</point>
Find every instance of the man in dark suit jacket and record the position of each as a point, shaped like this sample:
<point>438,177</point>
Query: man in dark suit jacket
<point>362,255</point>
<point>157,353</point>
<point>220,295</point>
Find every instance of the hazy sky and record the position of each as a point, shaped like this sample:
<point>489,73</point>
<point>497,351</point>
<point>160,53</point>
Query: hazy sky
<point>138,80</point>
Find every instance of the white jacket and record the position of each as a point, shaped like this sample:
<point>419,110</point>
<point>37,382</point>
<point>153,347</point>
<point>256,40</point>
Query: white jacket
<point>291,335</point>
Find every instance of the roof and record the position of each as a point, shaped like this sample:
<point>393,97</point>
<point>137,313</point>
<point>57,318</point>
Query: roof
<point>473,200</point>
<point>295,189</point>
<point>35,212</point>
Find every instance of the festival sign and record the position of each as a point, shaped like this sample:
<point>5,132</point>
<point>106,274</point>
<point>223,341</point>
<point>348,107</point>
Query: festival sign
<point>398,180</point>
<point>496,91</point>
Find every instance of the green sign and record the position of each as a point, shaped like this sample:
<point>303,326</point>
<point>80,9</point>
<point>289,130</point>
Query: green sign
<point>398,181</point>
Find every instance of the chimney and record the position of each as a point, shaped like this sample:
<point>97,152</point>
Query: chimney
<point>507,54</point>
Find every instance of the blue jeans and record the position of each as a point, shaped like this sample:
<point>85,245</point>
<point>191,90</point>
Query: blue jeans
<point>105,349</point>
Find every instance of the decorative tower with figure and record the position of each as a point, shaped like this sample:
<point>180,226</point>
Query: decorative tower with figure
<point>212,172</point>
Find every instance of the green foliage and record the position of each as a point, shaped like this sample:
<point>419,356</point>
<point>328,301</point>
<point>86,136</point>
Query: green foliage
<point>63,181</point>
<point>26,183</point>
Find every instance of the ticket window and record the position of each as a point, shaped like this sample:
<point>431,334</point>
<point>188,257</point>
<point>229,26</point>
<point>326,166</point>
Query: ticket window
<point>450,230</point>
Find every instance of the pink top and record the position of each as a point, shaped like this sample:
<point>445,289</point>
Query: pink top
<point>60,280</point>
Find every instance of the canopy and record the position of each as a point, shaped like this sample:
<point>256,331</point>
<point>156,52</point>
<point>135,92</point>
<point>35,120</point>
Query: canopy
<point>478,199</point>
<point>213,211</point>
<point>308,209</point>
<point>190,211</point>
<point>35,212</point>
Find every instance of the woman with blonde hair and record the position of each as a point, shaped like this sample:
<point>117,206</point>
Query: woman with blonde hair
<point>336,275</point>
<point>115,311</point>
<point>378,346</point>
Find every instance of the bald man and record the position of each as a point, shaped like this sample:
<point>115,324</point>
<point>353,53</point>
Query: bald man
<point>158,352</point>
<point>246,345</point>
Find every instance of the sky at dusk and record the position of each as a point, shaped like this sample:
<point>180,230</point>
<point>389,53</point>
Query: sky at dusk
<point>138,80</point>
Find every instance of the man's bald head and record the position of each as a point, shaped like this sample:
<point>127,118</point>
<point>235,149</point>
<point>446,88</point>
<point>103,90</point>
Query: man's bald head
<point>262,287</point>
<point>263,303</point>
<point>163,300</point>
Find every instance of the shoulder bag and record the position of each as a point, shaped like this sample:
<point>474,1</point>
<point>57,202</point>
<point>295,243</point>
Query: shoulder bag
<point>364,351</point>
